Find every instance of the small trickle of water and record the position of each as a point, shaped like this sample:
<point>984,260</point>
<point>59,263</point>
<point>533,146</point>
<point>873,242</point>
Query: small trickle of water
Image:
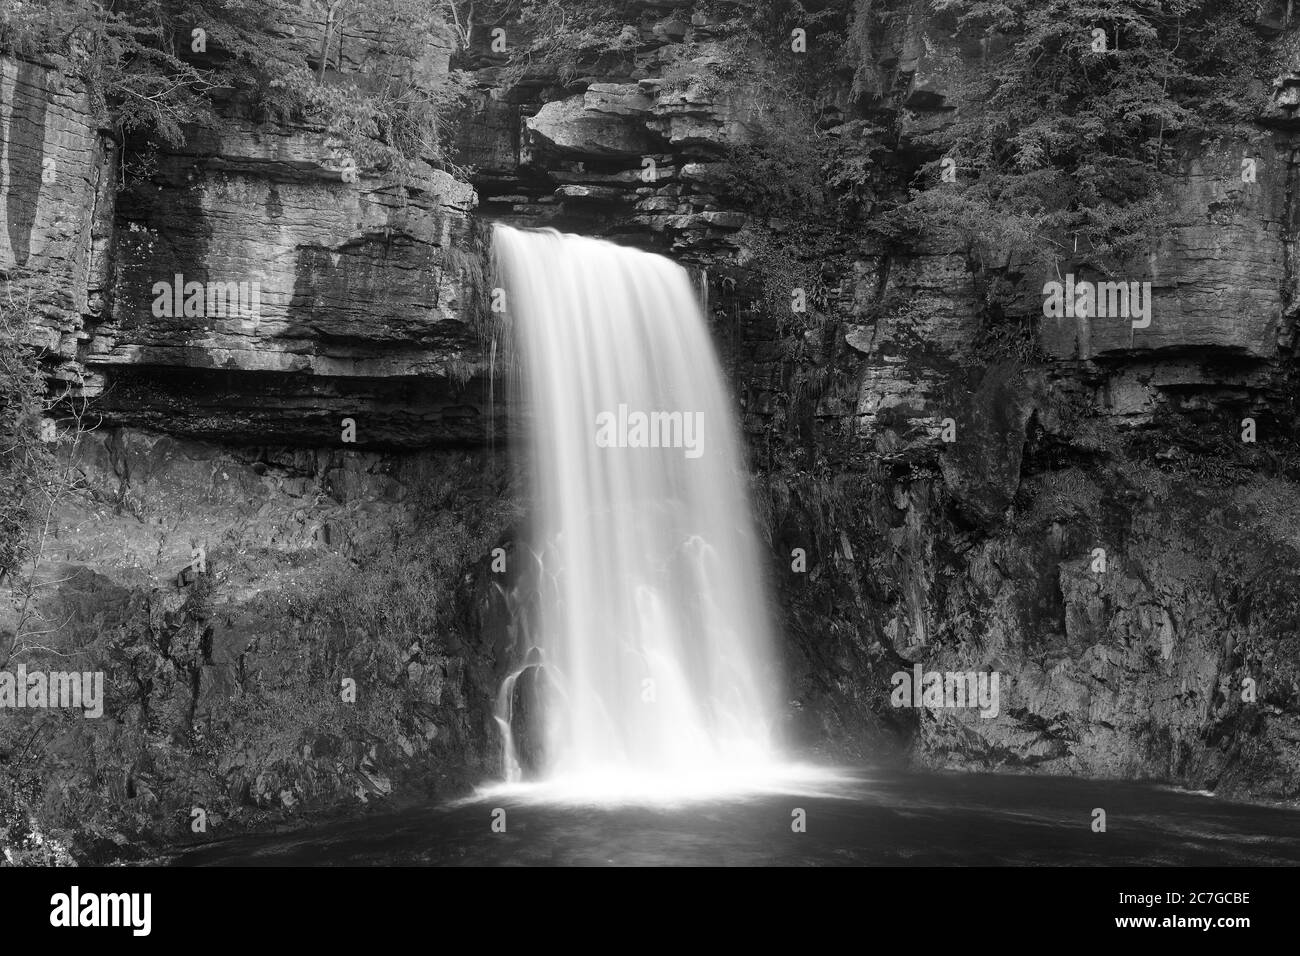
<point>656,654</point>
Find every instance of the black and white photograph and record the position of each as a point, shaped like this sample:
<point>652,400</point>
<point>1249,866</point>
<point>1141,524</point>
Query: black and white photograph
<point>650,434</point>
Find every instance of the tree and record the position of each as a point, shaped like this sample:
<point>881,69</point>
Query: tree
<point>35,479</point>
<point>336,13</point>
<point>1067,130</point>
<point>23,457</point>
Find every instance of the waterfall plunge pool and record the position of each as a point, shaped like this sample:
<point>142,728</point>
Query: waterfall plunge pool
<point>868,817</point>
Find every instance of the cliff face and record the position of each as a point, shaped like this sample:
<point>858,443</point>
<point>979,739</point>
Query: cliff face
<point>328,256</point>
<point>325,291</point>
<point>1065,502</point>
<point>55,188</point>
<point>237,549</point>
<point>1078,532</point>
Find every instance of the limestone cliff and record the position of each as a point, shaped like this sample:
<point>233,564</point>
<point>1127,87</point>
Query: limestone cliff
<point>1075,439</point>
<point>1096,532</point>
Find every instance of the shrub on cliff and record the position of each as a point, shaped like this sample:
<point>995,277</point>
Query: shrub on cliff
<point>158,66</point>
<point>1069,124</point>
<point>138,55</point>
<point>24,458</point>
<point>26,470</point>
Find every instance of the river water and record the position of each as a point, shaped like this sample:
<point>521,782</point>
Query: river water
<point>867,818</point>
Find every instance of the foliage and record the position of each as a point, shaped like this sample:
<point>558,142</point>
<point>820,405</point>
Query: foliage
<point>137,54</point>
<point>32,482</point>
<point>156,76</point>
<point>1069,148</point>
<point>25,461</point>
<point>566,37</point>
<point>403,588</point>
<point>393,128</point>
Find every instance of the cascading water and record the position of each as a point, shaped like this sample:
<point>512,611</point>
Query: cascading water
<point>651,631</point>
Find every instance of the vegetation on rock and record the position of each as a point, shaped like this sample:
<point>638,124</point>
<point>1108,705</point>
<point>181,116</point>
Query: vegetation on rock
<point>160,66</point>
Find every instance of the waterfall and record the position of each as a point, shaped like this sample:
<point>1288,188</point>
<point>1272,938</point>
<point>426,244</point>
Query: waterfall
<point>651,638</point>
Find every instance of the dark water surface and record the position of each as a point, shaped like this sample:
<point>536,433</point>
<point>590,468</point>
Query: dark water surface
<point>874,818</point>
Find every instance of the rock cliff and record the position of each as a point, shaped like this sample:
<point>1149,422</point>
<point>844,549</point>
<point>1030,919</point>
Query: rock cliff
<point>1066,502</point>
<point>1095,530</point>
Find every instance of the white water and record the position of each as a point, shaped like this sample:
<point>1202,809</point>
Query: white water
<point>652,628</point>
